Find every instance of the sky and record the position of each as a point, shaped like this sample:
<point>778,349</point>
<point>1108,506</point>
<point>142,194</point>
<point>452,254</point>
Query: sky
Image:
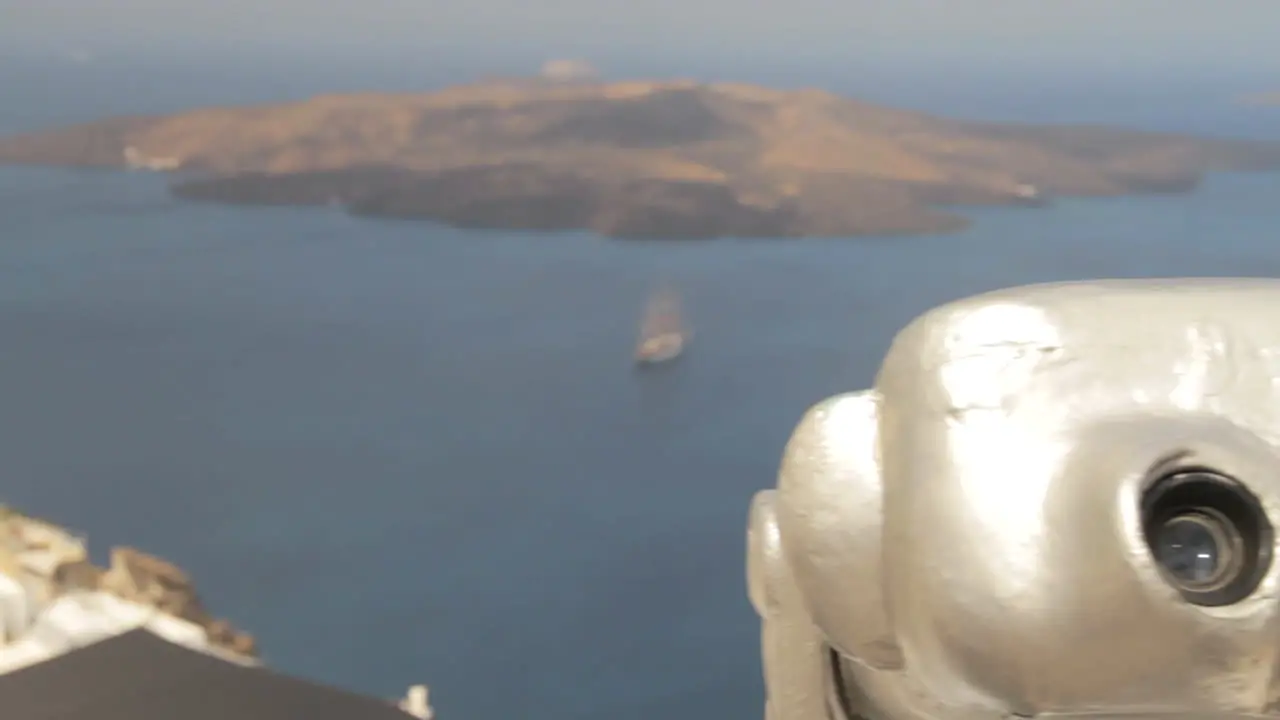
<point>1101,33</point>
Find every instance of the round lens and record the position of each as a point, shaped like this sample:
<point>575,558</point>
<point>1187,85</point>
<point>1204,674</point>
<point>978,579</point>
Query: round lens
<point>1192,549</point>
<point>1208,535</point>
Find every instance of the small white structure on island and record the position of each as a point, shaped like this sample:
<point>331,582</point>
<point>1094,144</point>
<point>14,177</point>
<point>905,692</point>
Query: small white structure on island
<point>416,704</point>
<point>1026,191</point>
<point>137,161</point>
<point>568,71</point>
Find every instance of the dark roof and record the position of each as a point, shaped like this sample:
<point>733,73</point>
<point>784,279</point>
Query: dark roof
<point>139,676</point>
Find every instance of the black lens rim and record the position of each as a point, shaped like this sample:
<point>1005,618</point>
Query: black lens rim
<point>1208,493</point>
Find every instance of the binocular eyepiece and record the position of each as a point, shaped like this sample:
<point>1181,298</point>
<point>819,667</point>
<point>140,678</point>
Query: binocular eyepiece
<point>1208,534</point>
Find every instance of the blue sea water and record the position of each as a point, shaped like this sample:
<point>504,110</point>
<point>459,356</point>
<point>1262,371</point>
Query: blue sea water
<point>401,453</point>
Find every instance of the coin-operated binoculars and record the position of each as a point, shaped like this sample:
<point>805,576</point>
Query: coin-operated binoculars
<point>1056,500</point>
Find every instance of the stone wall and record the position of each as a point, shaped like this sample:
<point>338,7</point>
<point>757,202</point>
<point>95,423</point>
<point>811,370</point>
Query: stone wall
<point>52,561</point>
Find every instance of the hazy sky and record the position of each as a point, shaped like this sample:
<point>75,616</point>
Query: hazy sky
<point>1142,32</point>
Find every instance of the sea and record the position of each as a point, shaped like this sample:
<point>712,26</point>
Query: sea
<point>401,453</point>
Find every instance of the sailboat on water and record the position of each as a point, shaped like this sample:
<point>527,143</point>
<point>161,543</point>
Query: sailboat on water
<point>663,331</point>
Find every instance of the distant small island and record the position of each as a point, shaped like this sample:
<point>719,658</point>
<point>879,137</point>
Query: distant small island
<point>673,159</point>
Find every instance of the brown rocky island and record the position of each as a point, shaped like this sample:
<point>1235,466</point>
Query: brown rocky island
<point>634,159</point>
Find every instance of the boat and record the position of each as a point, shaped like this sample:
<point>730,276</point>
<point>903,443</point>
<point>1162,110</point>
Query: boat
<point>663,332</point>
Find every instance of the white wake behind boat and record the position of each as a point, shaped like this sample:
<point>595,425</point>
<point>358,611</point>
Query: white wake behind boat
<point>663,331</point>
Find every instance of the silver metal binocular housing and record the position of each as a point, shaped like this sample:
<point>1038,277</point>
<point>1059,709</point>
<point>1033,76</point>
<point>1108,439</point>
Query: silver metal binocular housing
<point>1055,500</point>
